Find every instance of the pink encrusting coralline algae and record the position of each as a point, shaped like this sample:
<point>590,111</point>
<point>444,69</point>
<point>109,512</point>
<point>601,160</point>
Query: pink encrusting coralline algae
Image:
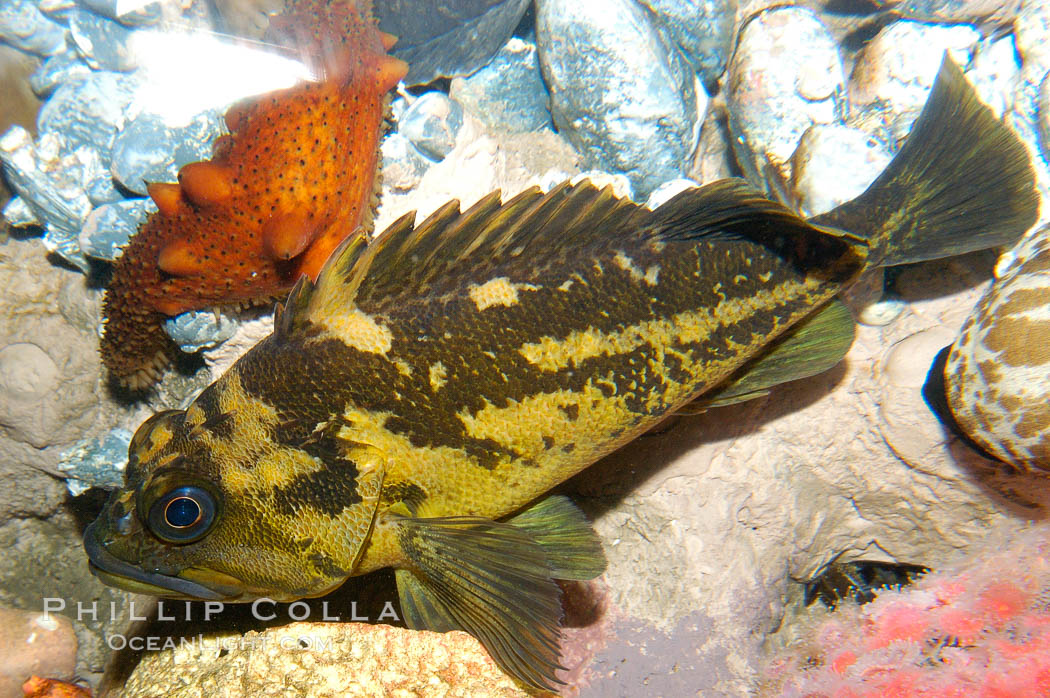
<point>977,629</point>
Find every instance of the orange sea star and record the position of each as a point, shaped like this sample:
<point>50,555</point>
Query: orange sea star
<point>294,177</point>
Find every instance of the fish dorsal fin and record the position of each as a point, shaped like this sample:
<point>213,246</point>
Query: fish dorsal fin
<point>533,230</point>
<point>301,305</point>
<point>407,261</point>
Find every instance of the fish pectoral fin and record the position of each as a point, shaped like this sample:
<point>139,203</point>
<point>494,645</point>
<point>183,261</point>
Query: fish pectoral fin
<point>813,346</point>
<point>572,548</point>
<point>490,579</point>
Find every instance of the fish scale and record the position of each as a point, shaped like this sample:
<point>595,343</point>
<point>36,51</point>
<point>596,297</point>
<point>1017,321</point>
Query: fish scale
<point>412,408</point>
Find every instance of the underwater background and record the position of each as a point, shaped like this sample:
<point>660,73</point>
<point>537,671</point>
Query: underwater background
<point>728,533</point>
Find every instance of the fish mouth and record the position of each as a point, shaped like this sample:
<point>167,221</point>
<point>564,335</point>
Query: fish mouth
<point>115,572</point>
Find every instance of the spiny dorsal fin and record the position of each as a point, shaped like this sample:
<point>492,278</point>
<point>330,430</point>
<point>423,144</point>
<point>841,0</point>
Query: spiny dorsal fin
<point>406,261</point>
<point>534,231</point>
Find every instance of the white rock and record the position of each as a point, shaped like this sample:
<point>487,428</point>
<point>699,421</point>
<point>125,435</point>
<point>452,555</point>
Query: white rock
<point>995,73</point>
<point>480,163</point>
<point>895,72</point>
<point>785,76</point>
<point>834,164</point>
<point>668,190</point>
<point>1032,32</point>
<point>27,373</point>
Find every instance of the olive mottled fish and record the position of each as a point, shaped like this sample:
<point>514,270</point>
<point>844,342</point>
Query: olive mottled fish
<point>412,409</point>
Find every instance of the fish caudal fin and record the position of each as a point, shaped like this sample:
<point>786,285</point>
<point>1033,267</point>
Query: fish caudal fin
<point>496,581</point>
<point>961,182</point>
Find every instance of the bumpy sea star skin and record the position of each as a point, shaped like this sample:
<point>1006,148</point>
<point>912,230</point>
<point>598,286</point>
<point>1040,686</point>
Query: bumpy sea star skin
<point>295,176</point>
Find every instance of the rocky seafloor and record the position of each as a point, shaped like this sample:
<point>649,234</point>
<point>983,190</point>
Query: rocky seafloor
<point>714,525</point>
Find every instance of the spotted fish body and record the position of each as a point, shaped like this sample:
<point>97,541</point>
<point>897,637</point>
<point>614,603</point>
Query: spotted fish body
<point>412,409</point>
<point>997,376</point>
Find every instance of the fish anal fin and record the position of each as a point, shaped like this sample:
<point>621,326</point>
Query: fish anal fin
<point>813,346</point>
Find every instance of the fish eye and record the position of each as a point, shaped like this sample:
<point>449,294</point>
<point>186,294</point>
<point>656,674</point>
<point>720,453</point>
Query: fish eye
<point>183,515</point>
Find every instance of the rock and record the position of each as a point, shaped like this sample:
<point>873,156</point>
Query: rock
<point>19,105</point>
<point>108,227</point>
<point>102,42</point>
<point>449,37</point>
<point>785,76</point>
<point>131,14</point>
<point>17,214</point>
<point>48,185</point>
<point>152,147</point>
<point>995,73</point>
<point>88,111</point>
<point>248,18</point>
<point>431,122</point>
<point>907,421</point>
<point>1032,35</point>
<point>894,73</point>
<point>50,181</point>
<point>37,687</point>
<point>1044,113</point>
<point>43,567</point>
<point>403,165</point>
<point>668,190</point>
<point>834,164</point>
<point>34,644</point>
<point>992,12</point>
<point>65,173</point>
<point>57,10</point>
<point>908,425</point>
<point>623,97</point>
<point>96,462</point>
<point>508,93</point>
<point>315,660</point>
<point>1031,28</point>
<point>996,377</point>
<point>25,27</point>
<point>702,29</point>
<point>50,370</point>
<point>27,373</point>
<point>714,156</point>
<point>247,334</point>
<point>480,163</point>
<point>199,329</point>
<point>882,312</point>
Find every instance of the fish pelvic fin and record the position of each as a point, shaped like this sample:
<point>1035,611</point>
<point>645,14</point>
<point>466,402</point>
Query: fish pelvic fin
<point>495,580</point>
<point>572,548</point>
<point>962,181</point>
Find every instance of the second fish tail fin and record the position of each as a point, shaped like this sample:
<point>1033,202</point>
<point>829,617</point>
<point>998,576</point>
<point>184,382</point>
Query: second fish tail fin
<point>962,181</point>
